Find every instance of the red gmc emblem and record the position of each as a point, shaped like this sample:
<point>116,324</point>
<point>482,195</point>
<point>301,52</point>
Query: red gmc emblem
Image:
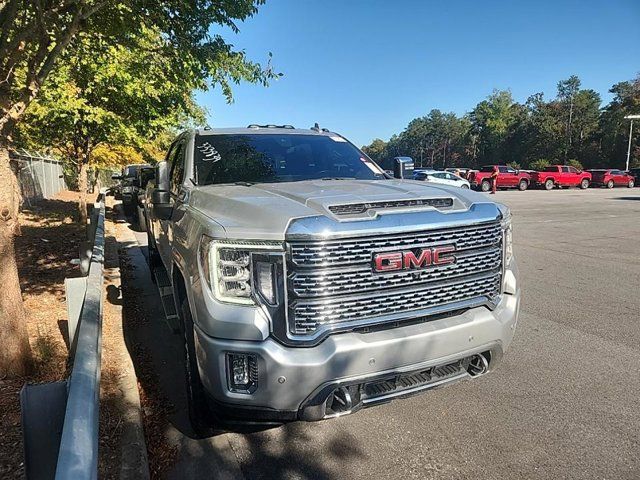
<point>408,260</point>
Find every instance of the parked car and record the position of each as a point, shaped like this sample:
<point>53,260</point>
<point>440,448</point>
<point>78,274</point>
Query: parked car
<point>635,173</point>
<point>561,176</point>
<point>143,176</point>
<point>444,178</point>
<point>128,188</point>
<point>611,177</point>
<point>297,300</point>
<point>507,178</point>
<point>461,172</point>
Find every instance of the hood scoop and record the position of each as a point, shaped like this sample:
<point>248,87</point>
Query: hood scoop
<point>360,208</point>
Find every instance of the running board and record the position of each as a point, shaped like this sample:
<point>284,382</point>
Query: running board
<point>166,297</point>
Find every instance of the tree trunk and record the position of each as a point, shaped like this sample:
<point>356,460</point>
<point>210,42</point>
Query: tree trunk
<point>15,352</point>
<point>82,188</point>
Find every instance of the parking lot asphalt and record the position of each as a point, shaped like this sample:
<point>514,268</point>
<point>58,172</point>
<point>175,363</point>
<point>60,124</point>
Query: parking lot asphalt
<point>564,403</point>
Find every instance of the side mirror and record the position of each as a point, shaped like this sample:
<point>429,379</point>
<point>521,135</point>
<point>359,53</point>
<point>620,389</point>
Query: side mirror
<point>162,176</point>
<point>160,195</point>
<point>403,167</point>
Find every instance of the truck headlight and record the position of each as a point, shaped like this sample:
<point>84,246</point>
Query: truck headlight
<point>236,272</point>
<point>127,189</point>
<point>507,234</point>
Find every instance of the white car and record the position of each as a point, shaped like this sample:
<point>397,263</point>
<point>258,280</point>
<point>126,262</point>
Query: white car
<point>444,178</point>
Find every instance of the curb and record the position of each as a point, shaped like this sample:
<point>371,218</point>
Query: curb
<point>134,462</point>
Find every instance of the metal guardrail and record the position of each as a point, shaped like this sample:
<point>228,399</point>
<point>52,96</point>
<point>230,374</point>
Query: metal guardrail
<point>60,419</point>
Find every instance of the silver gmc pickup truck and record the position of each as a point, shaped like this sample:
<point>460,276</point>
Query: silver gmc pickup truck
<point>308,284</point>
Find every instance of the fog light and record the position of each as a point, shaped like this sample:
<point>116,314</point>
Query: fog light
<point>242,372</point>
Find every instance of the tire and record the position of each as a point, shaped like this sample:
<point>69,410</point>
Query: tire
<point>141,219</point>
<point>485,186</point>
<point>200,416</point>
<point>549,184</point>
<point>631,184</point>
<point>610,184</point>
<point>523,185</point>
<point>464,185</point>
<point>128,210</point>
<point>154,256</point>
<point>584,184</point>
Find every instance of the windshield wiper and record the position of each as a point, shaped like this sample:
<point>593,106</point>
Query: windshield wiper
<point>338,178</point>
<point>244,184</point>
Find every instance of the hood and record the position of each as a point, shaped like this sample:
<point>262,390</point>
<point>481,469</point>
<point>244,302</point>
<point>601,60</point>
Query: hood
<point>264,210</point>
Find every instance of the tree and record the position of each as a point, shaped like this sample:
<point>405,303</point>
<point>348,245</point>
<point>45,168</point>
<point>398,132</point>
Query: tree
<point>492,120</point>
<point>567,91</point>
<point>109,95</point>
<point>539,164</point>
<point>33,36</point>
<point>377,151</point>
<point>613,131</point>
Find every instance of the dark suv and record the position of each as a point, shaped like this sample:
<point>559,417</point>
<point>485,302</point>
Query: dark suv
<point>130,186</point>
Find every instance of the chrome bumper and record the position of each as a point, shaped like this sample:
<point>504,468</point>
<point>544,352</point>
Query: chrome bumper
<point>289,377</point>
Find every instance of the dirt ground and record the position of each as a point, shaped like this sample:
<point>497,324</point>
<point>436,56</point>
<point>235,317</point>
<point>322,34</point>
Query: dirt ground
<point>49,240</point>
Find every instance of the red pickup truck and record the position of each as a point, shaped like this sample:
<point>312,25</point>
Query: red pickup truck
<point>507,178</point>
<point>561,176</point>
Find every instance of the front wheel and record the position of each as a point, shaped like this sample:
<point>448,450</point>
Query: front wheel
<point>485,186</point>
<point>548,185</point>
<point>141,219</point>
<point>199,414</point>
<point>610,184</point>
<point>464,185</point>
<point>584,184</point>
<point>630,184</point>
<point>523,185</point>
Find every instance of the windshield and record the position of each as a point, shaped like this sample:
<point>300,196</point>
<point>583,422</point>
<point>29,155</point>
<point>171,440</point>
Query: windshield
<point>279,158</point>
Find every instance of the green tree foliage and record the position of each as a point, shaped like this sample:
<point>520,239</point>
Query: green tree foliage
<point>613,129</point>
<point>377,151</point>
<point>539,164</point>
<point>34,35</point>
<point>109,96</point>
<point>493,121</point>
<point>575,163</point>
<point>501,130</point>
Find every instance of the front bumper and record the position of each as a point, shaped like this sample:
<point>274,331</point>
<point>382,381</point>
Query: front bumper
<point>293,381</point>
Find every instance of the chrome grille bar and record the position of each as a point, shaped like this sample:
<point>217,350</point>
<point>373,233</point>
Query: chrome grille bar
<point>331,285</point>
<point>325,282</point>
<point>309,316</point>
<point>350,251</point>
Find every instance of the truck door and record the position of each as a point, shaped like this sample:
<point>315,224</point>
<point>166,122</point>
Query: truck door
<point>507,177</point>
<point>618,177</point>
<point>176,175</point>
<point>566,178</point>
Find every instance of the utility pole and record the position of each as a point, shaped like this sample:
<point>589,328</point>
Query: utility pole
<point>632,118</point>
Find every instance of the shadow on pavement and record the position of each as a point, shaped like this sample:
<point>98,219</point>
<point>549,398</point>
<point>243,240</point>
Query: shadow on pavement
<point>174,452</point>
<point>628,198</point>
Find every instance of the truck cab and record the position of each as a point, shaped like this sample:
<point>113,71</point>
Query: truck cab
<point>307,284</point>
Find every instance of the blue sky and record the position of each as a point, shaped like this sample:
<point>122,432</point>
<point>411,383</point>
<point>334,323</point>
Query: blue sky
<point>366,68</point>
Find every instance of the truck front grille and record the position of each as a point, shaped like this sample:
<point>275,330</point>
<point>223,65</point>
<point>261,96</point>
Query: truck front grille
<point>331,283</point>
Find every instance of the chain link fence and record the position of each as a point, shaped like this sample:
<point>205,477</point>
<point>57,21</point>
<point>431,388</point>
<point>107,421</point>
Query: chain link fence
<point>39,175</point>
